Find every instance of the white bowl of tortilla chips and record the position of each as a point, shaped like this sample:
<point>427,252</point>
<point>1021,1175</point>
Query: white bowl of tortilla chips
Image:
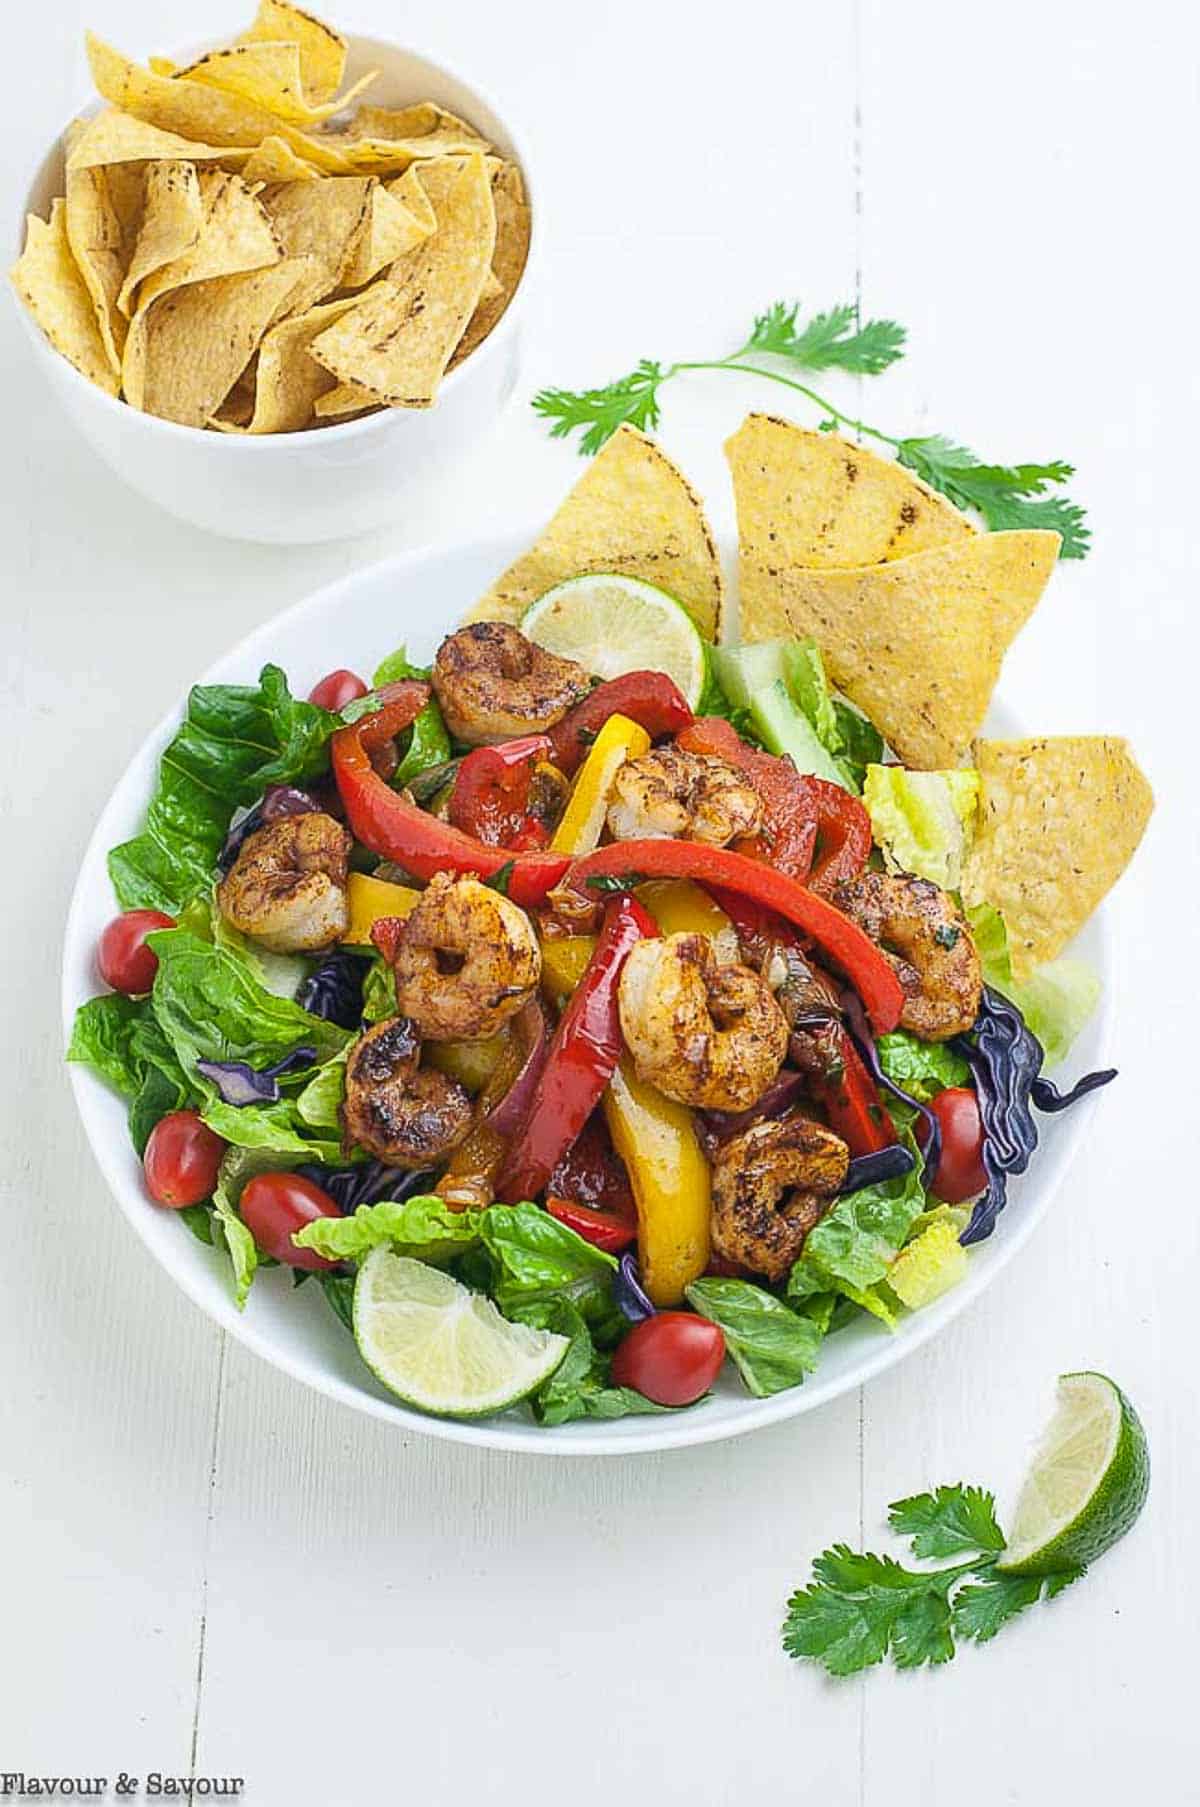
<point>197,231</point>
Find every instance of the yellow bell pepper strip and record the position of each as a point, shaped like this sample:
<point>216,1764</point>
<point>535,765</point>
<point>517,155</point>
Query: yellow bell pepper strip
<point>656,1139</point>
<point>582,820</point>
<point>680,907</point>
<point>471,1063</point>
<point>369,899</point>
<point>564,962</point>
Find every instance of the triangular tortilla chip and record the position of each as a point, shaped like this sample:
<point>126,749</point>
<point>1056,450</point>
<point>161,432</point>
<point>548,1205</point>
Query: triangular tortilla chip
<point>320,219</point>
<point>398,340</point>
<point>1059,820</point>
<point>186,351</point>
<point>288,381</point>
<point>917,643</point>
<point>399,217</point>
<point>47,279</point>
<point>103,206</point>
<point>425,119</point>
<point>275,161</point>
<point>112,136</point>
<point>267,73</point>
<point>632,512</point>
<point>344,399</point>
<point>322,50</point>
<point>814,500</point>
<point>173,214</point>
<point>235,235</point>
<point>508,259</point>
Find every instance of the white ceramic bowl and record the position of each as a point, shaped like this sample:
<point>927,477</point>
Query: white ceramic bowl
<point>355,622</point>
<point>298,488</point>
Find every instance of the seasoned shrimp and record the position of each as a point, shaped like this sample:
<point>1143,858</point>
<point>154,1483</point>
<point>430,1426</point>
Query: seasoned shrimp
<point>770,1185</point>
<point>671,794</point>
<point>493,684</point>
<point>287,887</point>
<point>706,1034</point>
<point>465,961</point>
<point>405,1114</point>
<point>925,938</point>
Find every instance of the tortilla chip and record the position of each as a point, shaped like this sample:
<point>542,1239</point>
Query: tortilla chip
<point>173,214</point>
<point>102,210</point>
<point>276,161</point>
<point>47,279</point>
<point>185,352</point>
<point>814,501</point>
<point>918,642</point>
<point>235,235</point>
<point>112,136</point>
<point>190,109</point>
<point>289,381</point>
<point>425,123</point>
<point>508,259</point>
<point>1059,821</point>
<point>320,219</point>
<point>398,340</point>
<point>399,217</point>
<point>268,74</point>
<point>322,50</point>
<point>632,512</point>
<point>237,410</point>
<point>346,402</point>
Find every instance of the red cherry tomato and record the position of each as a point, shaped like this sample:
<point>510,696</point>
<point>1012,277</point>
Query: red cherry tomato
<point>181,1160</point>
<point>960,1171</point>
<point>125,962</point>
<point>672,1357</point>
<point>275,1205</point>
<point>336,689</point>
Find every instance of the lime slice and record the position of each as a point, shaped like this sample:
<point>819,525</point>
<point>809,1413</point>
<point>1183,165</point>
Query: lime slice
<point>441,1347</point>
<point>611,625</point>
<point>1088,1482</point>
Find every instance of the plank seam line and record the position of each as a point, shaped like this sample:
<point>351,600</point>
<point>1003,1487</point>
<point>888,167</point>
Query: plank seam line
<point>210,1513</point>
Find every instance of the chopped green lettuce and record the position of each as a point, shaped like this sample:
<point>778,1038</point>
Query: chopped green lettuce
<point>771,1346</point>
<point>1056,1000</point>
<point>851,1249</point>
<point>423,1227</point>
<point>238,1167</point>
<point>581,1385</point>
<point>923,1069</point>
<point>922,820</point>
<point>120,1039</point>
<point>929,1264</point>
<point>423,745</point>
<point>234,741</point>
<point>534,1257</point>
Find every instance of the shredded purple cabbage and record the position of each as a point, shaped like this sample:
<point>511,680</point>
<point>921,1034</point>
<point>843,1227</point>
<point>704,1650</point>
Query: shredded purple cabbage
<point>369,1184</point>
<point>1005,1058</point>
<point>628,1290</point>
<point>873,1169</point>
<point>240,1084</point>
<point>335,990</point>
<point>276,801</point>
<point>864,1041</point>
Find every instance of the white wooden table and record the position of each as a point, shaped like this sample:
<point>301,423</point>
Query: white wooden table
<point>209,1572</point>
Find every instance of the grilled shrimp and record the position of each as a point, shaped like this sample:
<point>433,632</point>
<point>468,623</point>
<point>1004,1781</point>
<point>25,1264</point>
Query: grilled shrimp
<point>670,794</point>
<point>465,961</point>
<point>405,1114</point>
<point>925,938</point>
<point>287,887</point>
<point>706,1034</point>
<point>493,684</point>
<point>770,1185</point>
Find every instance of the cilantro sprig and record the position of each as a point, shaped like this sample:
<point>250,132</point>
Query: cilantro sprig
<point>860,1607</point>
<point>1005,495</point>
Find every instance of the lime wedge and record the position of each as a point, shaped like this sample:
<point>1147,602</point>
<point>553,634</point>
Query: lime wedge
<point>1088,1482</point>
<point>441,1347</point>
<point>611,624</point>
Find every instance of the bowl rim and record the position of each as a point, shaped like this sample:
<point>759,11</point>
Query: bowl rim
<point>669,1431</point>
<point>341,431</point>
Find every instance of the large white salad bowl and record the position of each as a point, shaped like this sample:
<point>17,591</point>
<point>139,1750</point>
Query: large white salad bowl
<point>416,599</point>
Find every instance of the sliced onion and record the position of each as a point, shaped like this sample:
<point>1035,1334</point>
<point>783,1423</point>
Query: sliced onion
<point>780,1095</point>
<point>507,1116</point>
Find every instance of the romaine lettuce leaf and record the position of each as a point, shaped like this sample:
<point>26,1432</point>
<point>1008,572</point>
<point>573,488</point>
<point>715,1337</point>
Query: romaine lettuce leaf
<point>851,1249</point>
<point>922,820</point>
<point>1058,997</point>
<point>238,1167</point>
<point>580,1386</point>
<point>423,1227</point>
<point>234,741</point>
<point>920,1068</point>
<point>120,1039</point>
<point>423,745</point>
<point>771,1346</point>
<point>534,1257</point>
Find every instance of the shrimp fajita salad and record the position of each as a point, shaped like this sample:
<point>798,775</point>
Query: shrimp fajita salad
<point>619,993</point>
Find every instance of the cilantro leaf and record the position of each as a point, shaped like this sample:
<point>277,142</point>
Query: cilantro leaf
<point>948,1521</point>
<point>832,340</point>
<point>632,398</point>
<point>1006,495</point>
<point>983,1607</point>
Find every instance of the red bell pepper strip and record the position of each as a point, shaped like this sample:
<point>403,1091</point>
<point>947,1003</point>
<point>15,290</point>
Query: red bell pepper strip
<point>849,1095</point>
<point>805,815</point>
<point>490,799</point>
<point>583,1056</point>
<point>386,822</point>
<point>603,1229</point>
<point>839,939</point>
<point>649,698</point>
